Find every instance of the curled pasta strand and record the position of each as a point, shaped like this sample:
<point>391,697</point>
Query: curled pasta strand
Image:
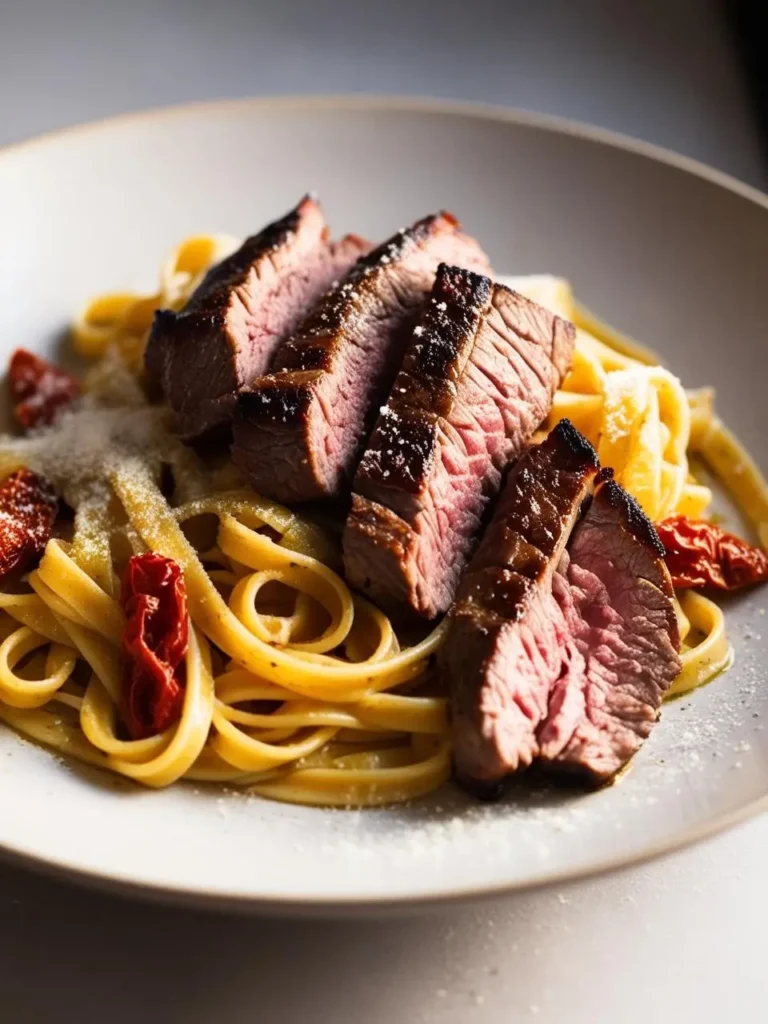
<point>32,693</point>
<point>101,656</point>
<point>168,758</point>
<point>302,573</point>
<point>369,787</point>
<point>97,720</point>
<point>100,321</point>
<point>313,675</point>
<point>382,712</point>
<point>30,610</point>
<point>48,726</point>
<point>249,753</point>
<point>712,655</point>
<point>89,605</point>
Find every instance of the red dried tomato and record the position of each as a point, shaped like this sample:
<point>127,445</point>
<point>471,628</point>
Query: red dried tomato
<point>700,554</point>
<point>155,640</point>
<point>27,514</point>
<point>39,389</point>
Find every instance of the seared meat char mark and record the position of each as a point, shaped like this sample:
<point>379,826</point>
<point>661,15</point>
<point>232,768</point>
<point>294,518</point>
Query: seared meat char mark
<point>228,330</point>
<point>564,637</point>
<point>299,430</point>
<point>477,380</point>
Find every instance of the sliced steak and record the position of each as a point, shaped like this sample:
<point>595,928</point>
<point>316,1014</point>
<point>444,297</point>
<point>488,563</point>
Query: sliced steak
<point>244,307</point>
<point>615,594</point>
<point>502,649</point>
<point>477,380</point>
<point>564,637</point>
<point>298,431</point>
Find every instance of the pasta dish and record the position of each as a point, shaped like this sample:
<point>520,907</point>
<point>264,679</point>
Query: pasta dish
<point>272,579</point>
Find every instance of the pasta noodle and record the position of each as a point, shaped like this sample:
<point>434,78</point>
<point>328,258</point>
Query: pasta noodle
<point>121,319</point>
<point>296,689</point>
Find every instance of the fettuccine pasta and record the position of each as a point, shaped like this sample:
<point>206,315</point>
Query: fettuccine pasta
<point>296,688</point>
<point>121,320</point>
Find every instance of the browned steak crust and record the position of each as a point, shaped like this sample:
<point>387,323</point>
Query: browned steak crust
<point>226,333</point>
<point>564,636</point>
<point>299,429</point>
<point>477,380</point>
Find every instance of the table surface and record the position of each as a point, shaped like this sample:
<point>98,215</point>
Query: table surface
<point>687,925</point>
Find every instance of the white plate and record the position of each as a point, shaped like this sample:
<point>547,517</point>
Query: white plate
<point>666,249</point>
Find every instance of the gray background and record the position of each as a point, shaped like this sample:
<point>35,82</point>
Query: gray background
<point>679,940</point>
<point>660,69</point>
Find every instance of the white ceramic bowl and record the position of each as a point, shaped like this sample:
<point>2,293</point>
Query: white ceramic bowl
<point>668,250</point>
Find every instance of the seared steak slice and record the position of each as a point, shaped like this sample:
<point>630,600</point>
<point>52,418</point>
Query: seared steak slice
<point>615,595</point>
<point>477,380</point>
<point>553,652</point>
<point>298,430</point>
<point>498,671</point>
<point>243,308</point>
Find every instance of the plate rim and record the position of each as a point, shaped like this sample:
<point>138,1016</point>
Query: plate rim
<point>348,905</point>
<point>361,101</point>
<point>345,904</point>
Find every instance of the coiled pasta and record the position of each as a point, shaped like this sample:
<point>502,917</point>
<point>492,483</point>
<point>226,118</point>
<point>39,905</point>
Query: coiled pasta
<point>296,688</point>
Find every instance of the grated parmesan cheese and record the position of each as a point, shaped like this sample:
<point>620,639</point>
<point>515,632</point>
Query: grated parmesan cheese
<point>110,424</point>
<point>81,449</point>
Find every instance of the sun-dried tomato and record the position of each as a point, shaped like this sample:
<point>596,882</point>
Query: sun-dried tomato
<point>155,640</point>
<point>700,554</point>
<point>39,389</point>
<point>27,514</point>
